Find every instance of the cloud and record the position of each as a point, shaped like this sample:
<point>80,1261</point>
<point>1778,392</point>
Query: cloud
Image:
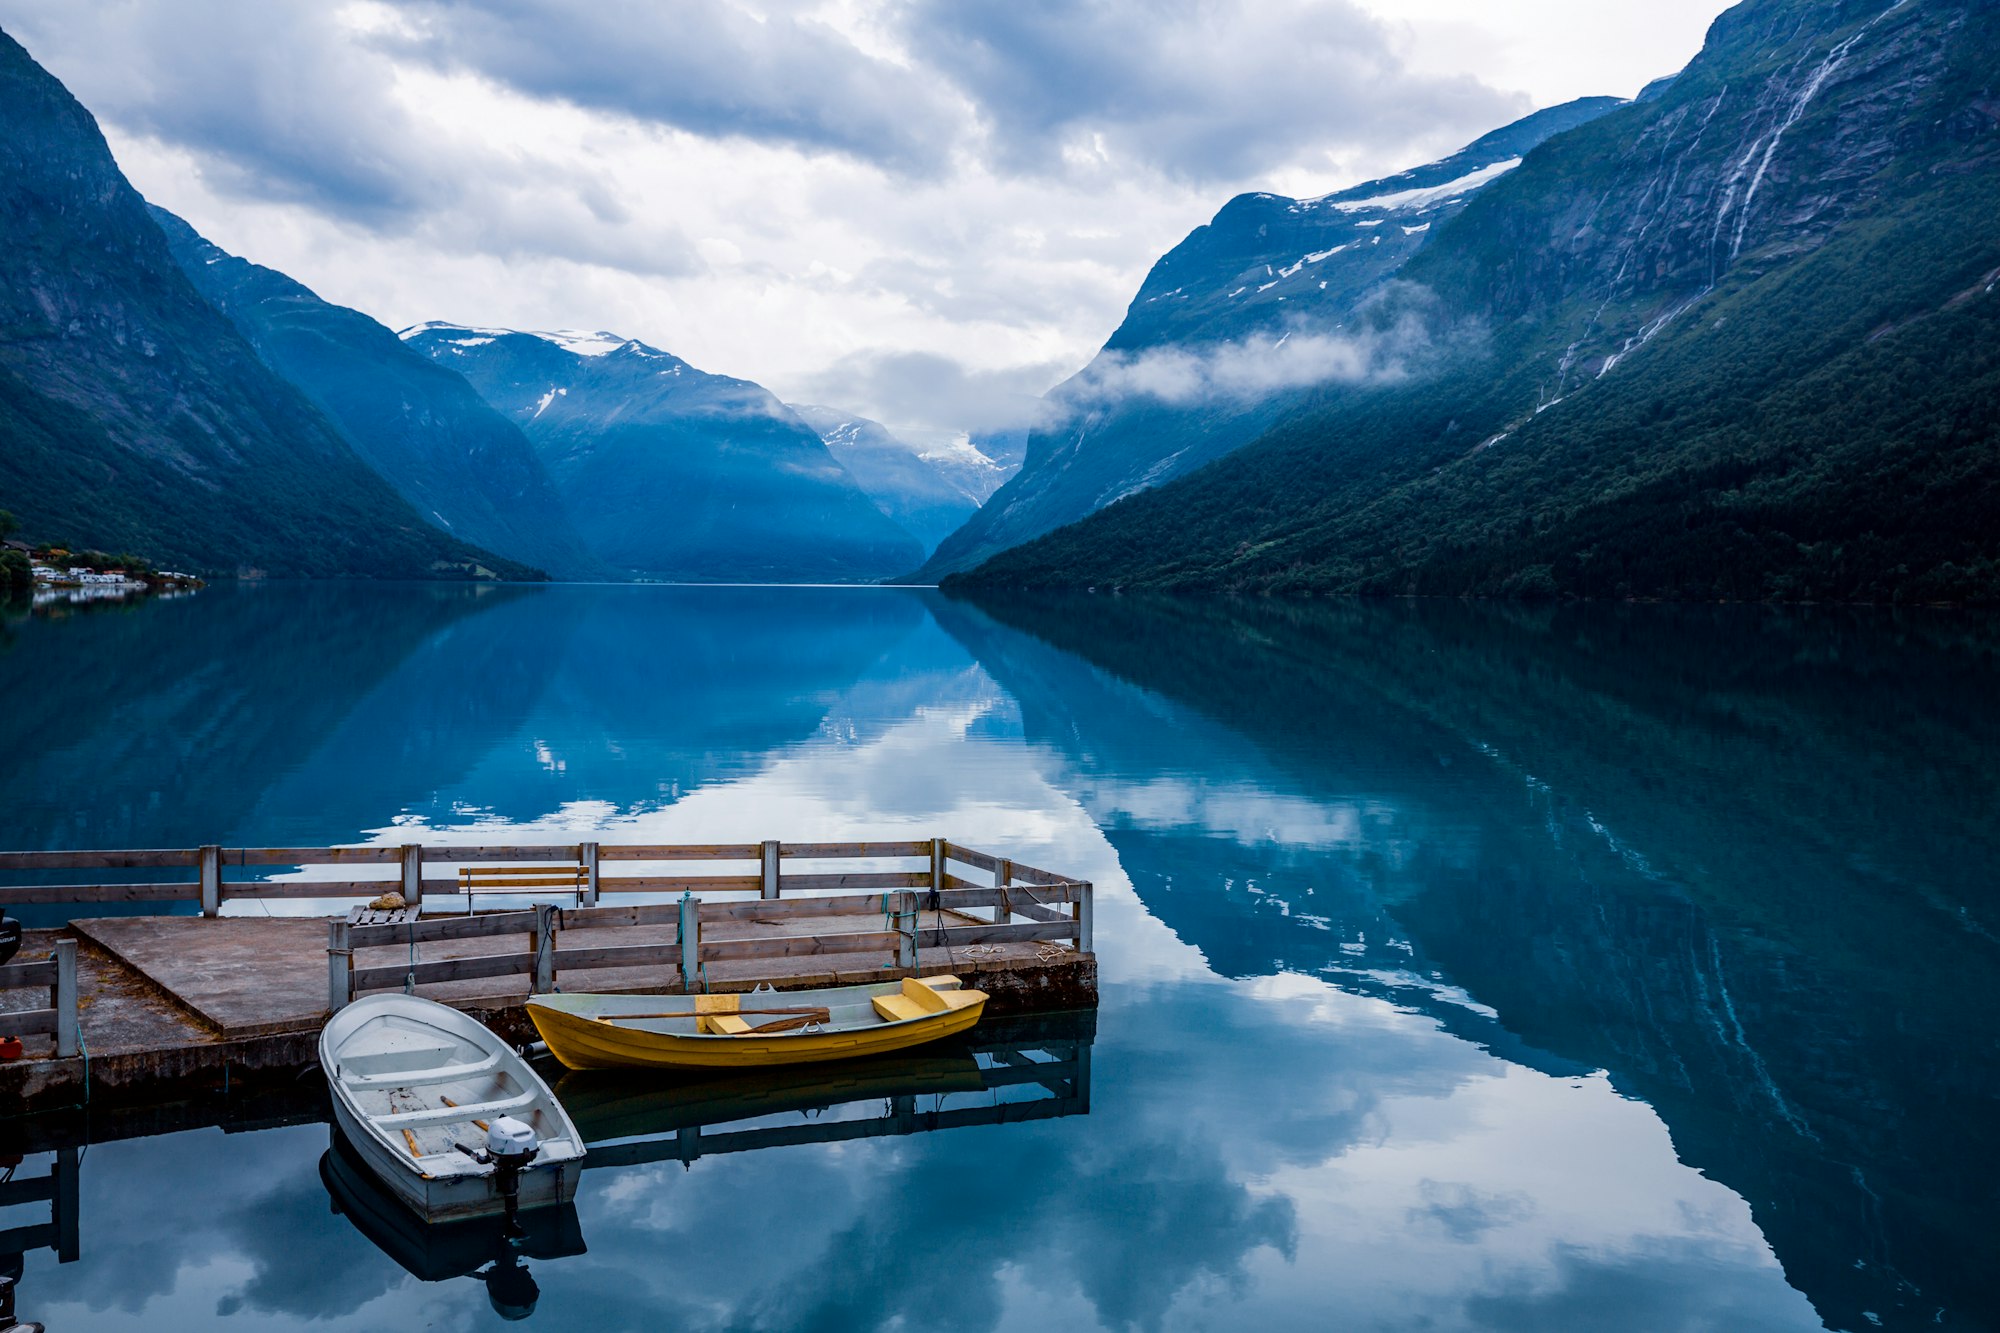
<point>1205,90</point>
<point>709,67</point>
<point>1394,337</point>
<point>927,392</point>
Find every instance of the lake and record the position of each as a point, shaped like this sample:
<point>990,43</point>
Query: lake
<point>1463,966</point>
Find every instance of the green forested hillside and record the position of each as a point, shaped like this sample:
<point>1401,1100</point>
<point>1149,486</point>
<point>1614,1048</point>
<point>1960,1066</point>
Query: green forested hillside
<point>1684,387</point>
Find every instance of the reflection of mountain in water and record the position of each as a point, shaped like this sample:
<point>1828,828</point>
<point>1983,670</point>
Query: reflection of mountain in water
<point>1738,860</point>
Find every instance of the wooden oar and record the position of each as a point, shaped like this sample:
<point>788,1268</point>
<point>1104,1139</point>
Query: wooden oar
<point>724,1013</point>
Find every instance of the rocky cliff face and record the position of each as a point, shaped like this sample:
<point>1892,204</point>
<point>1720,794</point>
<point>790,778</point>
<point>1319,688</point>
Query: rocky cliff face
<point>133,415</point>
<point>1267,268</point>
<point>672,473</point>
<point>1736,340</point>
<point>418,424</point>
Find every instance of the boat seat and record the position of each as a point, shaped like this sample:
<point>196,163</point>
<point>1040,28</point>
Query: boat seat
<point>447,1115</point>
<point>418,1077</point>
<point>918,998</point>
<point>941,982</point>
<point>388,1050</point>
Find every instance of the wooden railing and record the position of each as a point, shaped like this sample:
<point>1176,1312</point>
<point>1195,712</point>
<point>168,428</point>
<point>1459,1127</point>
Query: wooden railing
<point>59,1020</point>
<point>1049,907</point>
<point>409,864</point>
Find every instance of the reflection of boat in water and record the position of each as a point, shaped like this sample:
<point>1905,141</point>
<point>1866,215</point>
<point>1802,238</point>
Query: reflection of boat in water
<point>762,1028</point>
<point>1012,1070</point>
<point>437,1251</point>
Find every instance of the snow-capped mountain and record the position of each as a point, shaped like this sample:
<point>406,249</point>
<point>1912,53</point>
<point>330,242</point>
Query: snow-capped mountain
<point>418,424</point>
<point>672,473</point>
<point>930,489</point>
<point>1266,267</point>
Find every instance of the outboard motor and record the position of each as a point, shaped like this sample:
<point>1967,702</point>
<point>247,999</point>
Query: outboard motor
<point>10,937</point>
<point>511,1145</point>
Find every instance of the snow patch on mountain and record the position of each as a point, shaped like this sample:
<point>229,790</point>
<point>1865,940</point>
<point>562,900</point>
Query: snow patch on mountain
<point>1425,196</point>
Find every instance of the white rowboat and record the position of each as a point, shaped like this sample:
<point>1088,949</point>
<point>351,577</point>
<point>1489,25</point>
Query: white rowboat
<point>417,1089</point>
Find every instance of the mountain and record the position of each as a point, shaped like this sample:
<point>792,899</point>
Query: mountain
<point>671,473</point>
<point>419,425</point>
<point>133,416</point>
<point>1268,277</point>
<point>1735,341</point>
<point>930,492</point>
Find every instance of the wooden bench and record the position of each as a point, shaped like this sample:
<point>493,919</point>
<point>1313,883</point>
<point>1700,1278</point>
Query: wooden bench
<point>476,879</point>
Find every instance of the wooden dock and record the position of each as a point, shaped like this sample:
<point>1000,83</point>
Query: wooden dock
<point>148,1006</point>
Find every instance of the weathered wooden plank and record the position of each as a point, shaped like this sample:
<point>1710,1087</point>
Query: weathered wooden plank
<point>310,856</point>
<point>312,888</point>
<point>518,883</point>
<point>102,893</point>
<point>20,1240</point>
<point>800,946</point>
<point>931,937</point>
<point>14,976</point>
<point>447,969</point>
<point>849,851</point>
<point>991,897</point>
<point>26,1022</point>
<point>952,881</point>
<point>483,872</point>
<point>619,955</point>
<point>1035,911</point>
<point>977,860</point>
<point>432,929</point>
<point>681,884</point>
<point>718,851</point>
<point>1034,876</point>
<point>651,914</point>
<point>863,879</point>
<point>786,909</point>
<point>118,860</point>
<point>478,855</point>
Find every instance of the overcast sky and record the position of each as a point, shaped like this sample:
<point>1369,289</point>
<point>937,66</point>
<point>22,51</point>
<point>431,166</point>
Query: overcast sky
<point>918,209</point>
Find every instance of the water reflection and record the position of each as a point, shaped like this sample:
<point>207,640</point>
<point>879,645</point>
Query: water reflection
<point>1464,968</point>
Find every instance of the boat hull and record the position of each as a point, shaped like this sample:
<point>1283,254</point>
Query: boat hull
<point>453,1198</point>
<point>581,1041</point>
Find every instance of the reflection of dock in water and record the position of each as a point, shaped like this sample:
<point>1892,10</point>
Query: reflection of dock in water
<point>1027,1068</point>
<point>60,1190</point>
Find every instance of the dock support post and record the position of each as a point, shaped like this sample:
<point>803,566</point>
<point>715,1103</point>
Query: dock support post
<point>211,881</point>
<point>1086,918</point>
<point>1003,876</point>
<point>690,938</point>
<point>65,997</point>
<point>939,876</point>
<point>543,946</point>
<point>339,966</point>
<point>63,1218</point>
<point>908,923</point>
<point>770,869</point>
<point>586,856</point>
<point>413,876</point>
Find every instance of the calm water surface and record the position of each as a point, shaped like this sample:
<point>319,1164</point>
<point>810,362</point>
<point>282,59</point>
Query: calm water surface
<point>1463,968</point>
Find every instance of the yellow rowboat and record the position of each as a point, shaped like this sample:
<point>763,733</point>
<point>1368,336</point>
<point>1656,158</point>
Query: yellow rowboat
<point>761,1028</point>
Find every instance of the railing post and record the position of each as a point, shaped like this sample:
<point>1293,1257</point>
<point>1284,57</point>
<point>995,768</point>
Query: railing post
<point>690,938</point>
<point>413,876</point>
<point>63,1217</point>
<point>586,856</point>
<point>938,874</point>
<point>1003,875</point>
<point>211,881</point>
<point>906,939</point>
<point>1086,918</point>
<point>770,869</point>
<point>65,1000</point>
<point>339,967</point>
<point>543,944</point>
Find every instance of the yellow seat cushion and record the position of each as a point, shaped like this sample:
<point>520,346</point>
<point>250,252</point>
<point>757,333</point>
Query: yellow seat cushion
<point>930,1001</point>
<point>722,1025</point>
<point>899,1008</point>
